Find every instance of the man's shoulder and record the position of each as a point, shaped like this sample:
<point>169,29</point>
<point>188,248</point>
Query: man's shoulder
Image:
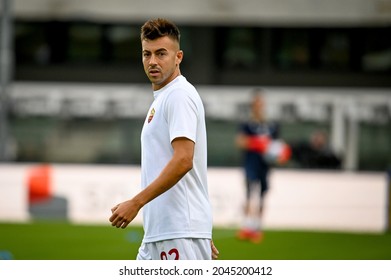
<point>184,84</point>
<point>184,88</point>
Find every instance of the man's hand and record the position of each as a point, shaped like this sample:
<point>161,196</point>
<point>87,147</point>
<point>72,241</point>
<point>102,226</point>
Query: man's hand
<point>123,214</point>
<point>215,252</point>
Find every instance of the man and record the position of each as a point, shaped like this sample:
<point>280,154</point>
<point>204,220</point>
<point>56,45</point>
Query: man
<point>177,213</point>
<point>315,153</point>
<point>253,137</point>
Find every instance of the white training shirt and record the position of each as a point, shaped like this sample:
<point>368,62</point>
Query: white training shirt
<point>184,210</point>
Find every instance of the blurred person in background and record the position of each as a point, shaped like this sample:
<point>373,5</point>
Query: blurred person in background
<point>315,153</point>
<point>253,138</point>
<point>177,215</point>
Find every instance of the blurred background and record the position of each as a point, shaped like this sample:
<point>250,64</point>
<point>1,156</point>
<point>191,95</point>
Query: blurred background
<point>73,90</point>
<point>72,75</point>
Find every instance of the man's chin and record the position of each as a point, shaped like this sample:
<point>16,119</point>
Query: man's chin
<point>154,80</point>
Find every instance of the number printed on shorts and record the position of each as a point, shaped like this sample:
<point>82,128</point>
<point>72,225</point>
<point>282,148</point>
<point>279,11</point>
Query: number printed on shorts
<point>173,254</point>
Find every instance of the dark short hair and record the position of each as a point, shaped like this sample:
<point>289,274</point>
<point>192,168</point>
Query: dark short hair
<point>160,27</point>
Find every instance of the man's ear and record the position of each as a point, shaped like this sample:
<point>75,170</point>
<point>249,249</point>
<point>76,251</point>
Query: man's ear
<point>179,57</point>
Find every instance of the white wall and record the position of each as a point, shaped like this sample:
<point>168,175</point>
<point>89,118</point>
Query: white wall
<point>335,201</point>
<point>13,193</point>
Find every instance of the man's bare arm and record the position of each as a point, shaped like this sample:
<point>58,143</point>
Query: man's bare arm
<point>177,167</point>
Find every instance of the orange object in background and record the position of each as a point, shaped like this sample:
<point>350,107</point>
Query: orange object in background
<point>39,183</point>
<point>285,155</point>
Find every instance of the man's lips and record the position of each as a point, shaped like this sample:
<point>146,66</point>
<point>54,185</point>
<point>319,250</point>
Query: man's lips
<point>153,72</point>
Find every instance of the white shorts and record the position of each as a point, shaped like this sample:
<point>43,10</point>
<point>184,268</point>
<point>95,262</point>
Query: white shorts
<point>176,249</point>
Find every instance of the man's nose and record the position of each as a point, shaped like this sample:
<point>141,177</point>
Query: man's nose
<point>152,60</point>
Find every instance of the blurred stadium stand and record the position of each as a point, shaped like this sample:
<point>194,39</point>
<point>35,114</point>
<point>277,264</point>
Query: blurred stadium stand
<point>78,92</point>
<point>101,123</point>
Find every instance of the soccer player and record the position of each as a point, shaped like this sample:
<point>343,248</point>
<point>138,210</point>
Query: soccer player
<point>253,137</point>
<point>177,215</point>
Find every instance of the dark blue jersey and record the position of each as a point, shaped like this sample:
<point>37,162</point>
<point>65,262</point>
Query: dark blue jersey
<point>252,128</point>
<point>256,167</point>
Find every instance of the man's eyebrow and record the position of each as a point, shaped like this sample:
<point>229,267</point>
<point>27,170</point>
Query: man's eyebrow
<point>161,50</point>
<point>158,50</point>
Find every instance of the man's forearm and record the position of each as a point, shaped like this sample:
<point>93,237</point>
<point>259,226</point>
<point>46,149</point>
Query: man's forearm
<point>171,174</point>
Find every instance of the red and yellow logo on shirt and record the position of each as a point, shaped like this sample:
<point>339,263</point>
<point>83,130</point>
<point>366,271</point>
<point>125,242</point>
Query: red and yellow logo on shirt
<point>151,114</point>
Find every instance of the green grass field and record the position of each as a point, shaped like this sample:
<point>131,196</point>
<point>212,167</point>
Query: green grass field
<point>64,241</point>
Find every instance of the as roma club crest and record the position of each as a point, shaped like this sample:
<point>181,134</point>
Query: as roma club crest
<point>151,114</point>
